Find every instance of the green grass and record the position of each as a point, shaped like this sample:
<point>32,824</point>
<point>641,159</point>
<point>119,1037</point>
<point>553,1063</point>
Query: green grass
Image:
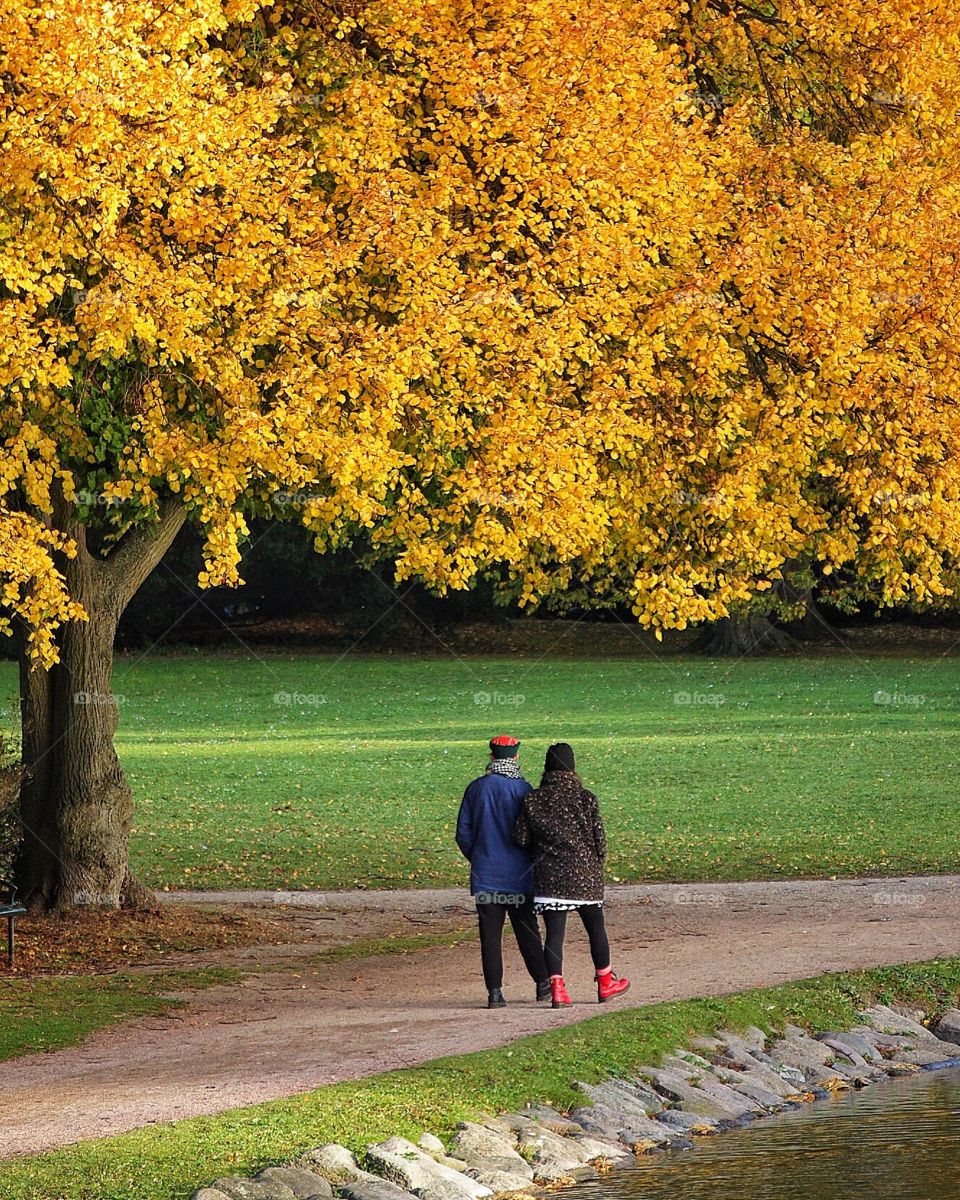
<point>169,1162</point>
<point>51,1013</point>
<point>376,947</point>
<point>799,772</point>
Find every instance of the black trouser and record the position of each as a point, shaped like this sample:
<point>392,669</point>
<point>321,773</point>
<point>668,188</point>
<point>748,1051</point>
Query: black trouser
<point>492,913</point>
<point>592,917</point>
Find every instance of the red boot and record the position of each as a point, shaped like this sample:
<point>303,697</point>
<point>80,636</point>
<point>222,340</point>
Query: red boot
<point>559,991</point>
<point>610,985</point>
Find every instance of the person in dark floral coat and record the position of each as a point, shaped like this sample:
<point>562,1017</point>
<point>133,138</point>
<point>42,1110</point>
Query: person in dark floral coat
<point>560,825</point>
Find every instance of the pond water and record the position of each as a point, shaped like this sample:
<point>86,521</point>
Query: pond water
<point>895,1141</point>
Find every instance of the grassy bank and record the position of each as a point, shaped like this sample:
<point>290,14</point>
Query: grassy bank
<point>301,770</point>
<point>168,1162</point>
<point>51,1013</point>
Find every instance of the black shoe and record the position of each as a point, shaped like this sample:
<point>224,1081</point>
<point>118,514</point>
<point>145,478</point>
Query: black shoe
<point>495,999</point>
<point>544,991</point>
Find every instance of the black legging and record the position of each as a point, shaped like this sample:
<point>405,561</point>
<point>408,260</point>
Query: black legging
<point>592,917</point>
<point>525,926</point>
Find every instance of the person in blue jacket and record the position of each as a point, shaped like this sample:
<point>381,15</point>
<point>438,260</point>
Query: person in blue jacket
<point>501,873</point>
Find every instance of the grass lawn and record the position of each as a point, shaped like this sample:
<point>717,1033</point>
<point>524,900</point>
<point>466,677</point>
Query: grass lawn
<point>168,1162</point>
<point>308,770</point>
<point>50,1013</point>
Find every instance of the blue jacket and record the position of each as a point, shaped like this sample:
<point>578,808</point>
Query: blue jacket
<point>491,805</point>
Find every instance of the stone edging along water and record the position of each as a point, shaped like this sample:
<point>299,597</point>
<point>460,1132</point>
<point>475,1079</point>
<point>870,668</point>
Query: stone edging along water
<point>719,1083</point>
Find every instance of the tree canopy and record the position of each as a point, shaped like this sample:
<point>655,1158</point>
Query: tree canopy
<point>625,297</point>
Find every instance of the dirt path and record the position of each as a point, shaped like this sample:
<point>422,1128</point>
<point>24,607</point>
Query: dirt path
<point>303,1024</point>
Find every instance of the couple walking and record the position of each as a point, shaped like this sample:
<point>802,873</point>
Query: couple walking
<point>535,851</point>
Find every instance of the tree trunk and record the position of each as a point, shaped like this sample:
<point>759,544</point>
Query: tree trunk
<point>742,636</point>
<point>75,803</point>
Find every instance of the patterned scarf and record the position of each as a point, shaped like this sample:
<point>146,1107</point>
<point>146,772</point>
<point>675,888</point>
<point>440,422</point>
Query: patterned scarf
<point>505,766</point>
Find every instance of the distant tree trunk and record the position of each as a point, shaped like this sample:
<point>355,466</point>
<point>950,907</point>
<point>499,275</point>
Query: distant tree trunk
<point>75,803</point>
<point>812,625</point>
<point>742,636</point>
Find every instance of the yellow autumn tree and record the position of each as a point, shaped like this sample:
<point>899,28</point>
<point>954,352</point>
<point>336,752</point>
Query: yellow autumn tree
<point>615,298</point>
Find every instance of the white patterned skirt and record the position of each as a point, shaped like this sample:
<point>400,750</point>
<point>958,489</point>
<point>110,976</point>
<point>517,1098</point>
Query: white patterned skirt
<point>543,904</point>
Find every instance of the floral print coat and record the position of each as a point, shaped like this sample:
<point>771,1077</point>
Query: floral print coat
<point>560,825</point>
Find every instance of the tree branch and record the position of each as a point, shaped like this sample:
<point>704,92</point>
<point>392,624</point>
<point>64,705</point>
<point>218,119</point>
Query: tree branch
<point>139,552</point>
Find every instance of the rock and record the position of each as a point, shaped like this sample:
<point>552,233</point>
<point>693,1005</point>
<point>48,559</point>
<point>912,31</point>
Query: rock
<point>757,1073</point>
<point>708,1045</point>
<point>697,1061</point>
<point>430,1143</point>
<point>209,1193</point>
<point>624,1095</point>
<point>817,1050</point>
<point>498,1125</point>
<point>747,1085</point>
<point>851,1076</point>
<point>455,1164</point>
<point>885,1043</point>
<point>403,1163</point>
<point>479,1141</point>
<point>374,1189</point>
<point>808,1056</point>
<point>628,1128</point>
<point>552,1157</point>
<point>676,1120</point>
<point>922,1051</point>
<point>752,1040</point>
<point>850,1063</point>
<point>504,1182</point>
<point>927,1054</point>
<point>897,1069</point>
<point>239,1187</point>
<point>550,1175</point>
<point>334,1163</point>
<point>851,1044</point>
<point>513,1123</point>
<point>681,1090</point>
<point>700,1074</point>
<point>303,1183</point>
<point>499,1166</point>
<point>447,1189</point>
<point>550,1119</point>
<point>608,1149</point>
<point>885,1020</point>
<point>947,1029</point>
<point>905,1010</point>
<point>746,1051</point>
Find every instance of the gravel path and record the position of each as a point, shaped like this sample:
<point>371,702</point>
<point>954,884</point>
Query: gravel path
<point>302,1024</point>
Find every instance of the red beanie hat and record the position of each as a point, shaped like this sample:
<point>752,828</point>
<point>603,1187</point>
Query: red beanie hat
<point>504,746</point>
